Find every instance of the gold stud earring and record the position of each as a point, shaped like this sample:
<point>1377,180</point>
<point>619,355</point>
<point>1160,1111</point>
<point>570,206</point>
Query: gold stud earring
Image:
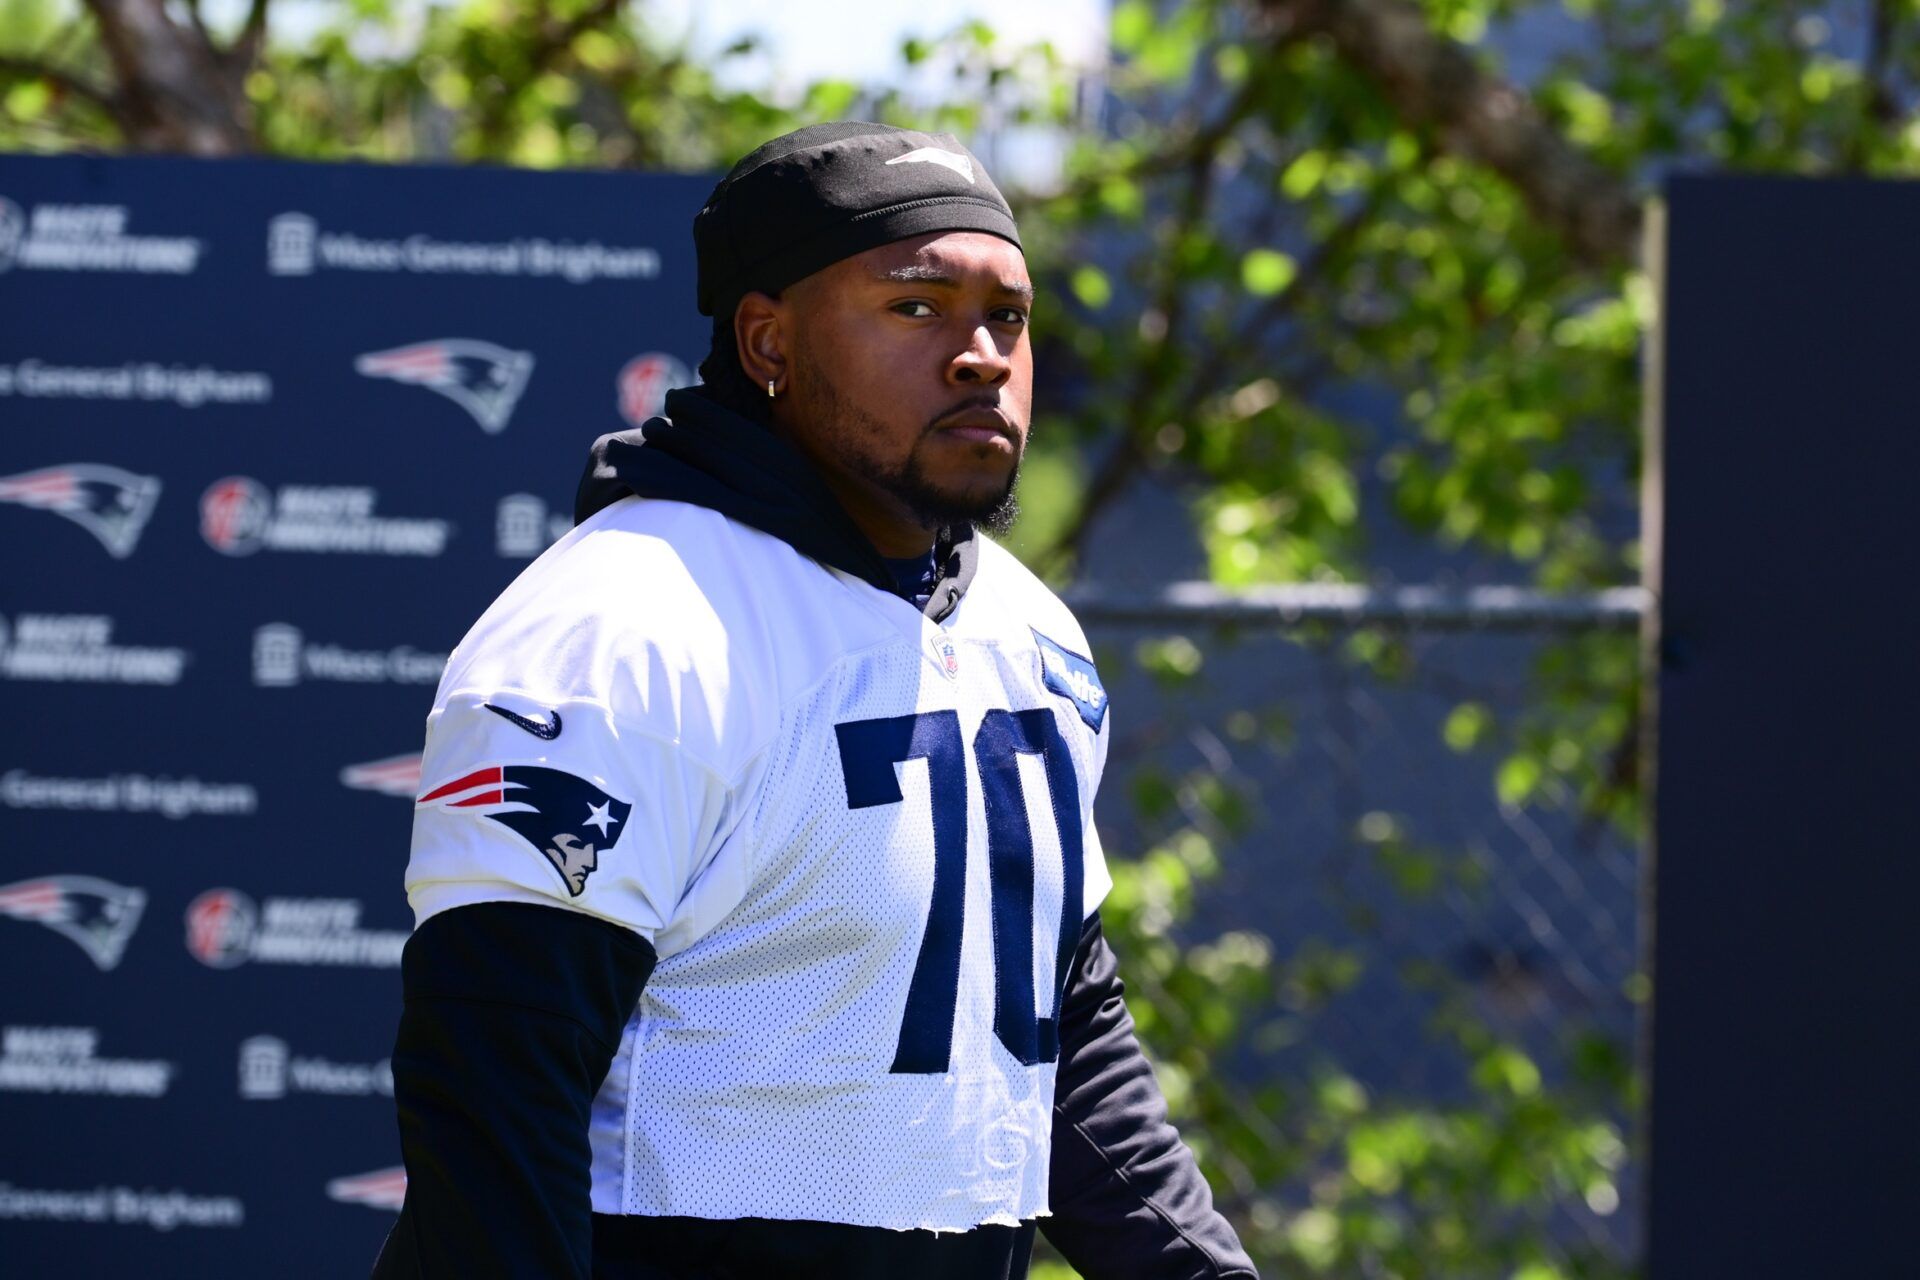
<point>769,388</point>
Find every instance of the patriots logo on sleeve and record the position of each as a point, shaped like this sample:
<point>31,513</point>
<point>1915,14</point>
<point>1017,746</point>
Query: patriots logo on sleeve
<point>568,819</point>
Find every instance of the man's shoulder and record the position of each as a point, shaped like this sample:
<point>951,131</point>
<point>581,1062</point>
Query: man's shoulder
<point>1022,600</point>
<point>658,538</point>
<point>665,613</point>
<point>667,572</point>
<point>660,575</point>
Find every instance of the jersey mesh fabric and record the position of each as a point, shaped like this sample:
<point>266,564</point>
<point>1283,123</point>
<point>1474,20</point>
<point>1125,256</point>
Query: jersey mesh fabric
<point>763,1051</point>
<point>756,1077</point>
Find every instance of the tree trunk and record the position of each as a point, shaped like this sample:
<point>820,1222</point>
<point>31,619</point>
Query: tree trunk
<point>177,91</point>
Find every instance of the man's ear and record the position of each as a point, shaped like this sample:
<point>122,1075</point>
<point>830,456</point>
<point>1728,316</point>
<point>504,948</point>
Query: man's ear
<point>760,330</point>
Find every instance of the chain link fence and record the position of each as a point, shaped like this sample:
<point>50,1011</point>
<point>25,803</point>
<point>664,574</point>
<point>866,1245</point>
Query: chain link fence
<point>1432,968</point>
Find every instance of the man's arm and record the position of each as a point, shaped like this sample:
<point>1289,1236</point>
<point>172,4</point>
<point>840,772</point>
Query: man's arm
<point>513,1014</point>
<point>1127,1198</point>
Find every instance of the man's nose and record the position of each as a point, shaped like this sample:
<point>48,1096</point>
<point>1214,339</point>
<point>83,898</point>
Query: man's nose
<point>982,361</point>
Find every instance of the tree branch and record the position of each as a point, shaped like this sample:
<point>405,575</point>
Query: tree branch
<point>66,82</point>
<point>1157,366</point>
<point>1880,106</point>
<point>1288,300</point>
<point>245,49</point>
<point>173,95</point>
<point>199,21</point>
<point>552,40</point>
<point>1435,85</point>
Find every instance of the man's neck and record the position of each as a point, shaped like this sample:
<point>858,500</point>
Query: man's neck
<point>895,539</point>
<point>893,532</point>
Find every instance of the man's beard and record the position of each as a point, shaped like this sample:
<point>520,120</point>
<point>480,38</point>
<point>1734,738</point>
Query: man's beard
<point>852,429</point>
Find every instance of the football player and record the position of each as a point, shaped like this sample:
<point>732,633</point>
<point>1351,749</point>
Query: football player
<point>755,874</point>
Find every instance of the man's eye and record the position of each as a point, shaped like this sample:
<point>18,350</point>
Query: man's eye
<point>1012,315</point>
<point>926,308</point>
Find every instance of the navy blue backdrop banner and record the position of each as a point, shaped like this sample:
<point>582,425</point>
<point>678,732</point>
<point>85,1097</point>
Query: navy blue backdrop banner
<point>271,437</point>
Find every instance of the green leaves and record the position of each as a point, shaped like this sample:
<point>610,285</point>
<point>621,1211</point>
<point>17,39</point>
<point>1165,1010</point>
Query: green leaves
<point>1265,272</point>
<point>1161,44</point>
<point>1505,1069</point>
<point>1467,726</point>
<point>1172,660</point>
<point>1091,286</point>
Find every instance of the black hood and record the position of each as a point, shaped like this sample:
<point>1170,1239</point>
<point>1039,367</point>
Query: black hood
<point>702,452</point>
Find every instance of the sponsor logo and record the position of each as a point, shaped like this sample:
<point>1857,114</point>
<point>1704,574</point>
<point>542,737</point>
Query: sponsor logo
<point>128,793</point>
<point>276,655</point>
<point>960,164</point>
<point>13,229</point>
<point>480,377</point>
<point>1073,677</point>
<point>566,818</point>
<point>188,387</point>
<point>268,1070</point>
<point>63,1060</point>
<point>393,776</point>
<point>87,237</point>
<point>239,516</point>
<point>523,528</point>
<point>111,504</point>
<point>290,242</point>
<point>381,1189</point>
<point>282,658</point>
<point>263,1068</point>
<point>226,929</point>
<point>96,915</point>
<point>78,648</point>
<point>644,382</point>
<point>297,245</point>
<point>546,730</point>
<point>121,1206</point>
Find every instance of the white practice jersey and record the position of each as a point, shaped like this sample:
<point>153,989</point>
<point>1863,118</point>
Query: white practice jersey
<point>860,842</point>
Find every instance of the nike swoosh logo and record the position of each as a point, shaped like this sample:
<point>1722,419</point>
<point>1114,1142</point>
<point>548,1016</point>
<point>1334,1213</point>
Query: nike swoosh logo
<point>936,155</point>
<point>538,728</point>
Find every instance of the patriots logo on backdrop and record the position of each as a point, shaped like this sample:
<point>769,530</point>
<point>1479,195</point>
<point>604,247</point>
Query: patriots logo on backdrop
<point>1073,677</point>
<point>96,914</point>
<point>484,379</point>
<point>568,819</point>
<point>111,504</point>
<point>393,776</point>
<point>381,1189</point>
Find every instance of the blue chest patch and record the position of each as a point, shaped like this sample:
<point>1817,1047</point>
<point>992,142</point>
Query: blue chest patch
<point>1073,678</point>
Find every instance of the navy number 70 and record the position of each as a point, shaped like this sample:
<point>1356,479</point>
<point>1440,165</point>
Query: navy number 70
<point>869,750</point>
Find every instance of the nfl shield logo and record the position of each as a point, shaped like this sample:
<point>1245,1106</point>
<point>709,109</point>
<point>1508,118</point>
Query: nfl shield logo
<point>945,656</point>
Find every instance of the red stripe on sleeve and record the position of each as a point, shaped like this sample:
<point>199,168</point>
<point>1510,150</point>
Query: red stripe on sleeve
<point>479,777</point>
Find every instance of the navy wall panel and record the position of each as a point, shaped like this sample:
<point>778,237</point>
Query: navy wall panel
<point>271,436</point>
<point>1784,1113</point>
